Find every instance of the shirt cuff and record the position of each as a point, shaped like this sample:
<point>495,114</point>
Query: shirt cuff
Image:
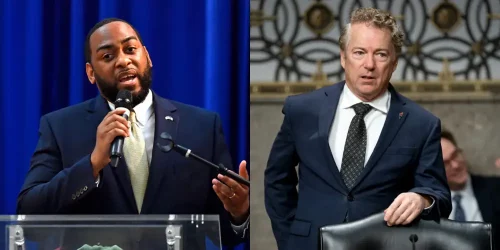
<point>241,229</point>
<point>427,210</point>
<point>98,180</point>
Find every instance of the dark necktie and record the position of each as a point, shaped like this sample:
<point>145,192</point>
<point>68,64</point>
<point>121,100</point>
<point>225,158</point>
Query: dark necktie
<point>353,159</point>
<point>459,210</point>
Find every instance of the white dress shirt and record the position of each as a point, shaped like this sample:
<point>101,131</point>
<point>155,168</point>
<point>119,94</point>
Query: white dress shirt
<point>145,115</point>
<point>374,121</point>
<point>468,203</point>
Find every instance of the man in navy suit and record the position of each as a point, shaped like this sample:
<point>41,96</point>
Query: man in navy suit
<point>361,148</point>
<point>475,197</point>
<point>70,171</point>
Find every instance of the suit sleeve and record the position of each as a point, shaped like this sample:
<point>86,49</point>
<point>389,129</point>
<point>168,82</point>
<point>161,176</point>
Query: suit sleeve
<point>221,155</point>
<point>281,181</point>
<point>49,188</point>
<point>430,175</point>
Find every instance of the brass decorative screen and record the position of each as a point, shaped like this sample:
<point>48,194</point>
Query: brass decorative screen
<point>294,42</point>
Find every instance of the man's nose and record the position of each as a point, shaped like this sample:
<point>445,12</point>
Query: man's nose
<point>123,60</point>
<point>369,62</point>
<point>454,164</point>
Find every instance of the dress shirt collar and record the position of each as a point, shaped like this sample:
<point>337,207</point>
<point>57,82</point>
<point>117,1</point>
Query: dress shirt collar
<point>381,103</point>
<point>143,110</point>
<point>467,191</point>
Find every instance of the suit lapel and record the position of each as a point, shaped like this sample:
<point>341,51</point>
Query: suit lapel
<point>484,199</point>
<point>97,111</point>
<point>396,116</point>
<point>166,120</point>
<point>326,116</point>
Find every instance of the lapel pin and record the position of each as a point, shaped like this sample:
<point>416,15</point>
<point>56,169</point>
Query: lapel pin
<point>401,115</point>
<point>169,118</point>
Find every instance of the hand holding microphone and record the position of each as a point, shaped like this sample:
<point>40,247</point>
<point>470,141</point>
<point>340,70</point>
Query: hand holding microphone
<point>111,132</point>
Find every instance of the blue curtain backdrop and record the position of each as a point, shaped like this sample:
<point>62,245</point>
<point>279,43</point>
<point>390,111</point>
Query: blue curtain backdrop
<point>199,50</point>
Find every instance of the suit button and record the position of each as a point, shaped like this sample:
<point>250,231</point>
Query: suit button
<point>85,188</point>
<point>73,197</point>
<point>350,198</point>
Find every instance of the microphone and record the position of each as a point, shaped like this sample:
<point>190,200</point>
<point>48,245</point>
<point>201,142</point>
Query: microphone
<point>188,153</point>
<point>123,101</point>
<point>413,239</point>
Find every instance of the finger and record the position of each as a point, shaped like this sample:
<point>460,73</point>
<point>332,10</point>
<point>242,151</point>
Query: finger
<point>115,118</point>
<point>225,200</point>
<point>116,125</point>
<point>243,170</point>
<point>404,216</point>
<point>112,134</point>
<point>232,184</point>
<point>225,190</point>
<point>411,217</point>
<point>118,111</point>
<point>399,211</point>
<point>110,113</point>
<point>392,208</point>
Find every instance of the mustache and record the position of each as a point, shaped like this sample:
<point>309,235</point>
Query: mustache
<point>128,71</point>
<point>109,89</point>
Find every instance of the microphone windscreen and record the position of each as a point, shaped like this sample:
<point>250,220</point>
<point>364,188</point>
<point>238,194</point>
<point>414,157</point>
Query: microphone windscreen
<point>124,99</point>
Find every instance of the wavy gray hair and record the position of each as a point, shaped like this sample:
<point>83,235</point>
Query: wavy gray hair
<point>381,19</point>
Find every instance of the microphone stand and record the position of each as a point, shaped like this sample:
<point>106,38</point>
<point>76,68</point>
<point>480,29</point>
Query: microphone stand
<point>189,154</point>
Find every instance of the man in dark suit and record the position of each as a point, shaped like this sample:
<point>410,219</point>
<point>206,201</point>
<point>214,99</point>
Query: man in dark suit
<point>474,197</point>
<point>361,148</point>
<point>70,171</point>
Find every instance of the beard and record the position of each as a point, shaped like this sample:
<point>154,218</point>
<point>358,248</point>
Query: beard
<point>110,89</point>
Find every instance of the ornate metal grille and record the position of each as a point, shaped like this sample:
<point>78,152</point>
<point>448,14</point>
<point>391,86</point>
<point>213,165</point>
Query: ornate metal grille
<point>297,40</point>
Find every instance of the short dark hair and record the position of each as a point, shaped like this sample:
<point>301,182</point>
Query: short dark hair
<point>98,25</point>
<point>446,134</point>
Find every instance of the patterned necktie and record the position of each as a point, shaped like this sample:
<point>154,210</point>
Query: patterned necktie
<point>353,159</point>
<point>134,150</point>
<point>459,210</point>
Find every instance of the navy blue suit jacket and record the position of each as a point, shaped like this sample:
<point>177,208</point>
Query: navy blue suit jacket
<point>407,157</point>
<point>60,179</point>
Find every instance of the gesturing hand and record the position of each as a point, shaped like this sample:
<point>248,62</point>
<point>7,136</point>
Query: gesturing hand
<point>234,195</point>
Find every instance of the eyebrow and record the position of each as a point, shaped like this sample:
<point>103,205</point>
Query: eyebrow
<point>454,153</point>
<point>109,46</point>
<point>376,50</point>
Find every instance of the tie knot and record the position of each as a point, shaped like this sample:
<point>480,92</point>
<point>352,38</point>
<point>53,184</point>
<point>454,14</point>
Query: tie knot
<point>362,109</point>
<point>457,198</point>
<point>133,118</point>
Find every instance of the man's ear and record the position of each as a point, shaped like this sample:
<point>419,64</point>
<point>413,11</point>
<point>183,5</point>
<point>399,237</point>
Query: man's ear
<point>342,58</point>
<point>149,58</point>
<point>395,64</point>
<point>90,72</point>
